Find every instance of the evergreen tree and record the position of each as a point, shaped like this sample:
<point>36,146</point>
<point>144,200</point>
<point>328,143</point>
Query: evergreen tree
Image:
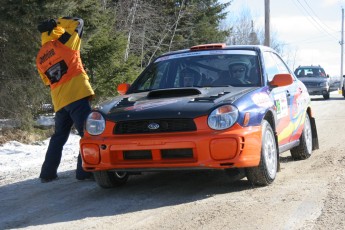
<point>21,91</point>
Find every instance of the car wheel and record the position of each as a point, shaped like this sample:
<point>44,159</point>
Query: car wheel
<point>110,179</point>
<point>305,147</point>
<point>235,174</point>
<point>266,172</point>
<point>326,96</point>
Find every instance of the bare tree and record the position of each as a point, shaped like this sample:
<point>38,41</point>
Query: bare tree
<point>179,15</point>
<point>145,26</point>
<point>244,32</point>
<point>242,29</point>
<point>153,27</point>
<point>130,24</point>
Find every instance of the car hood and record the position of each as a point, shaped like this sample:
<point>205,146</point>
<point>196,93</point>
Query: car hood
<point>313,79</point>
<point>170,103</point>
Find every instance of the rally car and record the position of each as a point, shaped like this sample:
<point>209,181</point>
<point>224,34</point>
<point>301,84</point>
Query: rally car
<point>212,107</point>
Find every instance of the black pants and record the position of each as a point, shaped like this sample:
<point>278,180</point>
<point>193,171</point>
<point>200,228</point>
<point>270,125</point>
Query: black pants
<point>74,113</point>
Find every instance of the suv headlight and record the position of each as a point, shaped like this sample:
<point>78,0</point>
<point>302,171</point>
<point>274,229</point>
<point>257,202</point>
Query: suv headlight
<point>95,123</point>
<point>223,117</point>
<point>324,84</point>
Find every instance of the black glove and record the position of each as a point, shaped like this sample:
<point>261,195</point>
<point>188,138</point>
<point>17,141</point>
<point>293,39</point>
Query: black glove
<point>47,25</point>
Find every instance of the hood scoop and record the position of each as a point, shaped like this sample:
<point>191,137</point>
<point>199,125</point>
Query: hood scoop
<point>165,93</point>
<point>210,98</point>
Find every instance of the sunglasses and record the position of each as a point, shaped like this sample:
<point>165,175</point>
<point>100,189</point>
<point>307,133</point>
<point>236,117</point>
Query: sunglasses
<point>241,70</point>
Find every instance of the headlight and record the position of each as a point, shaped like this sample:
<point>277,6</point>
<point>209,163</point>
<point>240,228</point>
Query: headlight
<point>223,117</point>
<point>324,84</point>
<point>95,123</point>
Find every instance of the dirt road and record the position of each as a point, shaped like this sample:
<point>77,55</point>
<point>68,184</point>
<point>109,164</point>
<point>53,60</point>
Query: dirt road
<point>307,194</point>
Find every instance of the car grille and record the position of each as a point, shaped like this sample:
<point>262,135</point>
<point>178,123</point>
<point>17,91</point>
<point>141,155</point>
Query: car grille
<point>137,155</point>
<point>165,154</point>
<point>160,126</point>
<point>311,84</point>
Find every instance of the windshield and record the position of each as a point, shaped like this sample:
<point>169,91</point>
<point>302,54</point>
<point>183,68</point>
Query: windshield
<point>310,72</point>
<point>216,68</point>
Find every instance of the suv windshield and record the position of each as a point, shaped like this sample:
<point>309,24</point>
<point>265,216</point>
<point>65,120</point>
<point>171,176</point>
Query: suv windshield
<point>200,69</point>
<point>310,72</point>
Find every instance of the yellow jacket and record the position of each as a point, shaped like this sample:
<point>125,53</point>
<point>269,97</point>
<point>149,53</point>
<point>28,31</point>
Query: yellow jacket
<point>59,63</point>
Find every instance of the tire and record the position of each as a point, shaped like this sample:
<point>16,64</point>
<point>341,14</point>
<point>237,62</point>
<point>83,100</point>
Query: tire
<point>305,147</point>
<point>326,96</point>
<point>266,172</point>
<point>235,174</point>
<point>110,179</point>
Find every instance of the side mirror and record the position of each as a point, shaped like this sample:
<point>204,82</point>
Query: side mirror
<point>327,75</point>
<point>282,79</point>
<point>123,88</point>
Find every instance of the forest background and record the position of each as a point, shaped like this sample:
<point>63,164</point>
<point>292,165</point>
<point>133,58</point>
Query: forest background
<point>121,37</point>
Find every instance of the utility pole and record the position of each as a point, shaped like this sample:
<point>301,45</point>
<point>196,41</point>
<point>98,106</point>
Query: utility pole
<point>267,23</point>
<point>342,51</point>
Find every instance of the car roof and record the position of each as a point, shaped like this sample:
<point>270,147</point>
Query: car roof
<point>259,48</point>
<point>309,67</point>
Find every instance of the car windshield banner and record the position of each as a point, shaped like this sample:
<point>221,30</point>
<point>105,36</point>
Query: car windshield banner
<point>202,53</point>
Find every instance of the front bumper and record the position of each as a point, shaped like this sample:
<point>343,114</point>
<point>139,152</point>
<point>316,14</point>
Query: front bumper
<point>318,90</point>
<point>203,149</point>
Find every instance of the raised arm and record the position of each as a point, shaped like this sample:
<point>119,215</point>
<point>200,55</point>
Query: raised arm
<point>73,31</point>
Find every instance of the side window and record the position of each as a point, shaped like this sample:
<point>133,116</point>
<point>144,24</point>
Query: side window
<point>153,78</point>
<point>322,72</point>
<point>274,65</point>
<point>280,64</point>
<point>270,66</point>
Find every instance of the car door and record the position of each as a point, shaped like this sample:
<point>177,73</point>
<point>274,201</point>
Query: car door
<point>297,102</point>
<point>283,97</point>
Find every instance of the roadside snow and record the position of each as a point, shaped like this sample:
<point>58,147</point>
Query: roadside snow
<point>43,121</point>
<point>26,159</point>
<point>46,120</point>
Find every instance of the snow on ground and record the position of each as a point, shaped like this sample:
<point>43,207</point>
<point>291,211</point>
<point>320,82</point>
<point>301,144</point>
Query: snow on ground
<point>46,120</point>
<point>43,121</point>
<point>26,160</point>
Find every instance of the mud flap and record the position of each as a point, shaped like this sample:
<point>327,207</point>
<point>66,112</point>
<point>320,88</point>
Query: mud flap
<point>278,152</point>
<point>314,133</point>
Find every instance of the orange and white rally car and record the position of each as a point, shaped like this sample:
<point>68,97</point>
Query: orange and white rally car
<point>231,108</point>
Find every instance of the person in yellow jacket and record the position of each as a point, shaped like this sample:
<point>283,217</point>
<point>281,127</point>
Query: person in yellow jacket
<point>60,67</point>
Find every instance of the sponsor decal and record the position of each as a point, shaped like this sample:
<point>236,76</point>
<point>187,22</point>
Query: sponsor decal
<point>302,102</point>
<point>281,104</point>
<point>50,53</point>
<point>299,105</point>
<point>262,100</point>
<point>206,52</point>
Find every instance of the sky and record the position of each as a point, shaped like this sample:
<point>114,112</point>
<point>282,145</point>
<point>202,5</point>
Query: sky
<point>309,29</point>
